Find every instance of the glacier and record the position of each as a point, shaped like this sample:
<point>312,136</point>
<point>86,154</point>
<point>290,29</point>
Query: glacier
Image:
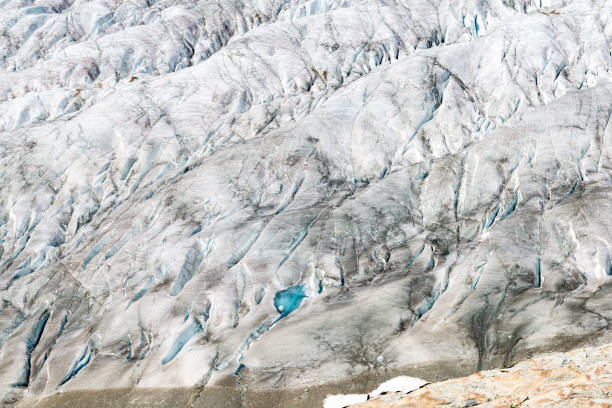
<point>296,198</point>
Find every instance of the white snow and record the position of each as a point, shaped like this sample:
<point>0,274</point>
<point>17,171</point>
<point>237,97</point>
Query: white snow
<point>402,384</point>
<point>341,401</point>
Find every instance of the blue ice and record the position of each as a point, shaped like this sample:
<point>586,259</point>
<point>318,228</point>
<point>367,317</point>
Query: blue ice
<point>82,362</point>
<point>31,343</point>
<point>288,300</point>
<point>182,339</point>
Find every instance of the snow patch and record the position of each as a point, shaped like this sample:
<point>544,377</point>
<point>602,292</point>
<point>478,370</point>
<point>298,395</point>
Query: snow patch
<point>402,383</point>
<point>341,401</point>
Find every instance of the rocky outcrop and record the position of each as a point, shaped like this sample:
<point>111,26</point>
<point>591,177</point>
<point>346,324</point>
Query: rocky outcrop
<point>580,378</point>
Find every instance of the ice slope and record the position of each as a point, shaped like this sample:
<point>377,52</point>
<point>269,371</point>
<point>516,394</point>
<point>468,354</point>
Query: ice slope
<point>270,194</point>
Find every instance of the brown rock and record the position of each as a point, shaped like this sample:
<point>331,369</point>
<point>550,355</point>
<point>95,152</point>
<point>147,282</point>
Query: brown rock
<point>580,378</point>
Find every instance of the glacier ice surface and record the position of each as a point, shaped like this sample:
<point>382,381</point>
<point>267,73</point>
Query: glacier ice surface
<point>278,194</point>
